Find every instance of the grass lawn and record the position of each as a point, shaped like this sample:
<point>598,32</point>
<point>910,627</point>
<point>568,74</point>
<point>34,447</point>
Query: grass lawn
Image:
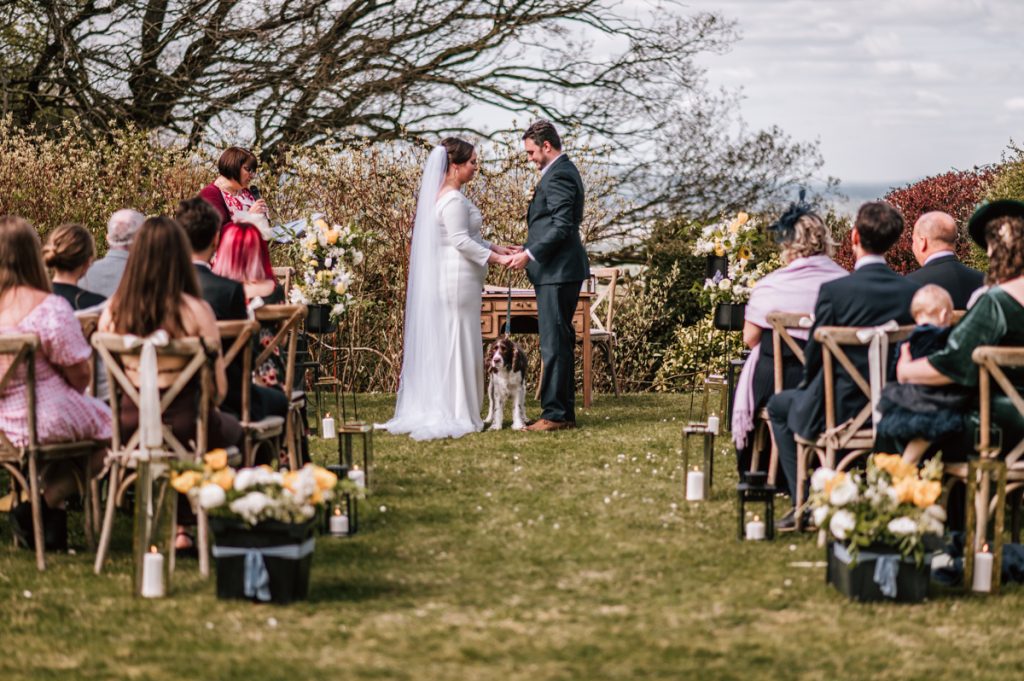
<point>513,556</point>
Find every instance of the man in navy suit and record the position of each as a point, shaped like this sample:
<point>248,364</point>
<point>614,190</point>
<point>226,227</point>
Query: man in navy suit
<point>556,264</point>
<point>871,296</point>
<point>934,244</point>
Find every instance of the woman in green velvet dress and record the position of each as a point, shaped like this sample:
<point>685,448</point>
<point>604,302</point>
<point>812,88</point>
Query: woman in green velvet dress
<point>997,318</point>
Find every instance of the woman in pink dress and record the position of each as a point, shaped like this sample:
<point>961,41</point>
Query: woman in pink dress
<point>62,373</point>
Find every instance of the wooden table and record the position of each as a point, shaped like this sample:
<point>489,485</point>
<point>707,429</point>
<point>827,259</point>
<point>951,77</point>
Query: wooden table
<point>494,311</point>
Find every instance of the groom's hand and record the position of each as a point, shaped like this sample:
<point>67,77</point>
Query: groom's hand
<point>518,261</point>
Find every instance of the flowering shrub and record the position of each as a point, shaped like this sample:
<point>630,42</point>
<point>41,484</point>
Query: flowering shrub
<point>254,495</point>
<point>735,240</point>
<point>892,503</point>
<point>331,252</point>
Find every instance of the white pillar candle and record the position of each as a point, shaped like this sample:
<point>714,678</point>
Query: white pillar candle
<point>695,485</point>
<point>153,574</point>
<point>982,571</point>
<point>713,424</point>
<point>357,476</point>
<point>755,529</point>
<point>339,524</point>
<point>327,430</point>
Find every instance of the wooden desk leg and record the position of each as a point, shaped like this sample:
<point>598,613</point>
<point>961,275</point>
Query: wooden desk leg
<point>588,351</point>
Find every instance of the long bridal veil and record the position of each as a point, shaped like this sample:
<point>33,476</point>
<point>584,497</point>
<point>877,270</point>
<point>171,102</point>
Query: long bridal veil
<point>424,408</point>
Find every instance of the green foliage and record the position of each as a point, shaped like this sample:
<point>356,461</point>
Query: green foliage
<point>694,351</point>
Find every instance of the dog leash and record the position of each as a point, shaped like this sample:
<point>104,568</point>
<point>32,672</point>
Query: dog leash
<point>508,313</point>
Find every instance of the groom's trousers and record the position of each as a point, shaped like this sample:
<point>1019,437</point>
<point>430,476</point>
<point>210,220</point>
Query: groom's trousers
<point>556,305</point>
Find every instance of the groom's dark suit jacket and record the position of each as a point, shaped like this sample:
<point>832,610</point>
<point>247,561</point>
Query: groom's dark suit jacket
<point>554,218</point>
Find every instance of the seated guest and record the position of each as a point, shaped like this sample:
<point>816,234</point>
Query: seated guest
<point>871,296</point>
<point>914,416</point>
<point>69,251</point>
<point>933,244</point>
<point>239,258</point>
<point>105,274</point>
<point>997,318</point>
<point>231,194</point>
<point>805,246</point>
<point>159,290</point>
<point>62,373</point>
<point>228,300</point>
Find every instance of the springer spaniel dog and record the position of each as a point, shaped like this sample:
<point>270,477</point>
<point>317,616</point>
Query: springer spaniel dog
<point>506,364</point>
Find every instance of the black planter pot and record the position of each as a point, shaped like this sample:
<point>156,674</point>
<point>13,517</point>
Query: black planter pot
<point>289,577</point>
<point>857,582</point>
<point>729,316</point>
<point>319,319</point>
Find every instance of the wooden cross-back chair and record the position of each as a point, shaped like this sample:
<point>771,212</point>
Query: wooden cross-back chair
<point>855,437</point>
<point>602,328</point>
<point>782,324</point>
<point>287,319</point>
<point>113,350</point>
<point>267,431</point>
<point>284,276</point>
<point>18,353</point>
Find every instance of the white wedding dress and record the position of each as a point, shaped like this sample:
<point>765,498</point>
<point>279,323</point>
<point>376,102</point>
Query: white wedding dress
<point>442,384</point>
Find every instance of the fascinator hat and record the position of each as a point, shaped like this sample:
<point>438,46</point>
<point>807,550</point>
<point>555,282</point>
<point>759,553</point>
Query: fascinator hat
<point>783,230</point>
<point>1003,208</point>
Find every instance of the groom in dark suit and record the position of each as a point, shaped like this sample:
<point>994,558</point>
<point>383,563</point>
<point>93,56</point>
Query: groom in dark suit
<point>557,265</point>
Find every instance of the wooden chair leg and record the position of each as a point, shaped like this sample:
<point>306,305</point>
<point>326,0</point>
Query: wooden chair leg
<point>108,518</point>
<point>611,367</point>
<point>37,511</point>
<point>203,541</point>
<point>1015,505</point>
<point>801,477</point>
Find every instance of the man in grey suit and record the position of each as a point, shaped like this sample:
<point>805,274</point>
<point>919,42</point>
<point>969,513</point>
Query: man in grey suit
<point>934,244</point>
<point>557,265</point>
<point>104,275</point>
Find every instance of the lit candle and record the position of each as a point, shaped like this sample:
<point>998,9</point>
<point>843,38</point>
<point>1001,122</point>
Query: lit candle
<point>327,430</point>
<point>339,523</point>
<point>755,529</point>
<point>153,574</point>
<point>695,485</point>
<point>713,424</point>
<point>982,571</point>
<point>357,476</point>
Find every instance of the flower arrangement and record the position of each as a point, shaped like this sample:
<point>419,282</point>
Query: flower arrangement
<point>893,503</point>
<point>736,240</point>
<point>254,495</point>
<point>330,254</point>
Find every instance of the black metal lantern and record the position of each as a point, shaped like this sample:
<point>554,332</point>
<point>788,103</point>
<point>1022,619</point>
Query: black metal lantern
<point>348,433</point>
<point>753,488</point>
<point>343,501</point>
<point>699,442</point>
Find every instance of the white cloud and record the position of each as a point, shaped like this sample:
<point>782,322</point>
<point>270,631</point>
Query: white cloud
<point>917,70</point>
<point>1014,104</point>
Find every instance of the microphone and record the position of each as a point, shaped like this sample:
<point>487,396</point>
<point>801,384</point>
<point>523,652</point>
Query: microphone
<point>255,192</point>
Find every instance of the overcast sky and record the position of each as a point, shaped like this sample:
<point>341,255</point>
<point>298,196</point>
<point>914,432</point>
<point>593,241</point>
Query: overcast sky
<point>893,89</point>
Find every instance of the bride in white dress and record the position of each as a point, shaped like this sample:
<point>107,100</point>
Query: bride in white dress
<point>441,389</point>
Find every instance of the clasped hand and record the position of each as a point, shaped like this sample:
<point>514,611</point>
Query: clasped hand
<point>512,257</point>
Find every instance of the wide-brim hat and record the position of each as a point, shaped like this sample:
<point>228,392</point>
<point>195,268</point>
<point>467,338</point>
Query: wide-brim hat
<point>1003,208</point>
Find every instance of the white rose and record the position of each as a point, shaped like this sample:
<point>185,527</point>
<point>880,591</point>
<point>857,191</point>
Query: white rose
<point>725,284</point>
<point>937,512</point>
<point>820,514</point>
<point>842,524</point>
<point>843,493</point>
<point>244,479</point>
<point>357,258</point>
<point>903,526</point>
<point>211,496</point>
<point>251,506</point>
<point>820,477</point>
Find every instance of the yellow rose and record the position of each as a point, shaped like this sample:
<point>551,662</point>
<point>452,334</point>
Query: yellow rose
<point>906,489</point>
<point>184,481</point>
<point>321,224</point>
<point>332,237</point>
<point>317,497</point>
<point>340,288</point>
<point>216,459</point>
<point>741,218</point>
<point>926,493</point>
<point>833,481</point>
<point>224,478</point>
<point>324,478</point>
<point>719,249</point>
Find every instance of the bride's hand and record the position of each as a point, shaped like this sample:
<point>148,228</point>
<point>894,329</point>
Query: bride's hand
<point>497,258</point>
<point>505,250</point>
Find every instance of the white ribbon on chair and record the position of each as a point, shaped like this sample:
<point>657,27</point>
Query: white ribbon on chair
<point>151,435</point>
<point>878,354</point>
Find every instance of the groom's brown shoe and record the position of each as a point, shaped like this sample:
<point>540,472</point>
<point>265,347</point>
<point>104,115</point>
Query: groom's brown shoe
<point>543,425</point>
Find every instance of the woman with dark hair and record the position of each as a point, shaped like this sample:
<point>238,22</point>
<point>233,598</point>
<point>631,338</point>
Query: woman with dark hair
<point>997,318</point>
<point>63,371</point>
<point>232,195</point>
<point>69,251</point>
<point>442,382</point>
<point>159,290</point>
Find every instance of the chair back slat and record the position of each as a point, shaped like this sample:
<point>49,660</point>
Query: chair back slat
<point>21,348</point>
<point>284,276</point>
<point>782,323</point>
<point>240,334</point>
<point>604,281</point>
<point>287,318</point>
<point>991,361</point>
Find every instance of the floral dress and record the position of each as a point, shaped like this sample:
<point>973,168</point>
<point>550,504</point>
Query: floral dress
<point>62,413</point>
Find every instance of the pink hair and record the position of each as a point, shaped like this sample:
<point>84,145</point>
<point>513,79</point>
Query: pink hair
<point>241,254</point>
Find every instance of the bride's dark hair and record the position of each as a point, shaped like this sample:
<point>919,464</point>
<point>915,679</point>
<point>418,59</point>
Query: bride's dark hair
<point>459,150</point>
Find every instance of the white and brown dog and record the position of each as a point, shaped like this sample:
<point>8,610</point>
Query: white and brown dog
<point>506,364</point>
